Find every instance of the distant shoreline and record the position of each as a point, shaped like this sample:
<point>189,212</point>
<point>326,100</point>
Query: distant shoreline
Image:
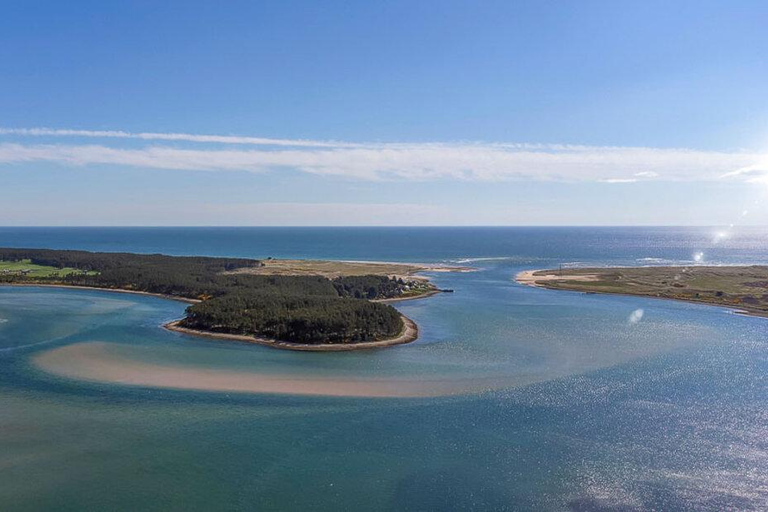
<point>589,281</point>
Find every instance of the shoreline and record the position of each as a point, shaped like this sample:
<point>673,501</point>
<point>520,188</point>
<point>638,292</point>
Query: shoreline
<point>527,278</point>
<point>425,295</point>
<point>98,289</point>
<point>410,333</point>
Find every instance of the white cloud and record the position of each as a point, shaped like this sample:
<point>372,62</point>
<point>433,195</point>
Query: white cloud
<point>752,173</point>
<point>392,161</point>
<point>619,180</point>
<point>182,137</point>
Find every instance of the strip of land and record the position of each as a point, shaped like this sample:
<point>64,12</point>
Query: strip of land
<point>742,288</point>
<point>291,304</point>
<point>412,284</point>
<point>334,269</point>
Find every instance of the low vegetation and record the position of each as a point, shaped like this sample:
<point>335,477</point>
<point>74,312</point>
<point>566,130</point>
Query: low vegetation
<point>740,287</point>
<point>27,268</point>
<point>296,308</point>
<point>334,269</point>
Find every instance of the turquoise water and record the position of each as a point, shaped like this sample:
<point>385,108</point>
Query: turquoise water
<point>555,401</point>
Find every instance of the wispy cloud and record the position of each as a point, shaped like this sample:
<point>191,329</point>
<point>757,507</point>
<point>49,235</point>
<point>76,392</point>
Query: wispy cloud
<point>180,137</point>
<point>754,173</point>
<point>619,180</point>
<point>388,161</point>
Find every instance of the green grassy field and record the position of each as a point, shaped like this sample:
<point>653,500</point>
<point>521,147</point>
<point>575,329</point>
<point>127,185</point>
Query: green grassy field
<point>17,267</point>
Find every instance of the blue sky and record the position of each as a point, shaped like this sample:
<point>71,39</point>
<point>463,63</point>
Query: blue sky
<point>396,113</point>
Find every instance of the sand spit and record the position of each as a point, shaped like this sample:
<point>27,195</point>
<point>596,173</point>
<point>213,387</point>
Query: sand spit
<point>430,293</point>
<point>99,362</point>
<point>531,278</point>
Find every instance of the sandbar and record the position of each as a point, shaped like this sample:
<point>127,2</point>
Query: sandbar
<point>97,361</point>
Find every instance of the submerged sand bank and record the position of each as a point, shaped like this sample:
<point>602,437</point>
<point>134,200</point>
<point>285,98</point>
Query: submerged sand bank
<point>100,362</point>
<point>410,333</point>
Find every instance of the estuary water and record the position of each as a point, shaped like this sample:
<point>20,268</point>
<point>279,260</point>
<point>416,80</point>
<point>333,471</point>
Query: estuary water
<point>513,398</point>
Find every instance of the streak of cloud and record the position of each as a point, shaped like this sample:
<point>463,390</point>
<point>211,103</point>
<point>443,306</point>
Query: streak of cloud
<point>468,161</point>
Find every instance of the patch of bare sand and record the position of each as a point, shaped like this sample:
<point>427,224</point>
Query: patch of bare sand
<point>97,361</point>
<point>527,277</point>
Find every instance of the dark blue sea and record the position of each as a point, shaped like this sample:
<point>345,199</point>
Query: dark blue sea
<point>513,398</point>
<point>639,245</point>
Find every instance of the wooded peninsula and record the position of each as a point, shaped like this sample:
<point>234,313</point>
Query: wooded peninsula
<point>238,296</point>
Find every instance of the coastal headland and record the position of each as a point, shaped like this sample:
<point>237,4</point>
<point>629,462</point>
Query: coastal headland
<point>307,305</point>
<point>741,288</point>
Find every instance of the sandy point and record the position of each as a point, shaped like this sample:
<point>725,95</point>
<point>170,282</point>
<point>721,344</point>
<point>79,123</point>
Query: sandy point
<point>538,277</point>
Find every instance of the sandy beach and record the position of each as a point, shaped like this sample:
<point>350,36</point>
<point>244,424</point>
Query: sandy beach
<point>528,277</point>
<point>413,297</point>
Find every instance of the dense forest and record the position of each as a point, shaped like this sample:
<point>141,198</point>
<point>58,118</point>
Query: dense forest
<point>300,309</point>
<point>368,287</point>
<point>297,318</point>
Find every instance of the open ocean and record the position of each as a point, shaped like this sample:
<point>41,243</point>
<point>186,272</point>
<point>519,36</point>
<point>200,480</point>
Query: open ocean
<point>563,402</point>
